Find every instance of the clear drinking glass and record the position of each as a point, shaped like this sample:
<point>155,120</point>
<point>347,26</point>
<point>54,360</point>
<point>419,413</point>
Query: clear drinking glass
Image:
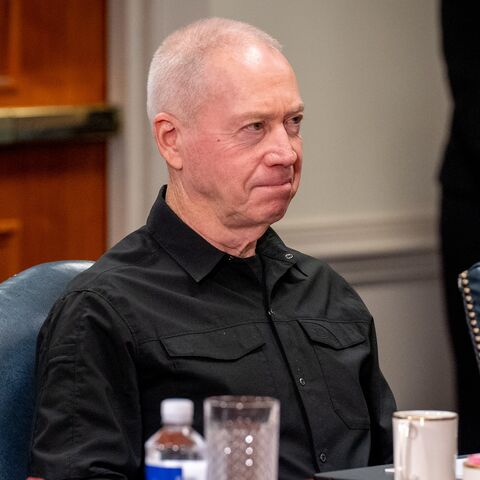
<point>242,437</point>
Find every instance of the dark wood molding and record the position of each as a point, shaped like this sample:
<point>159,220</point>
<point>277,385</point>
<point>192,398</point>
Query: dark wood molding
<point>19,125</point>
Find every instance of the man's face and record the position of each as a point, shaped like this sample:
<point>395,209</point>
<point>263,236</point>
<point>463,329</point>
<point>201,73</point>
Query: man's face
<point>243,153</point>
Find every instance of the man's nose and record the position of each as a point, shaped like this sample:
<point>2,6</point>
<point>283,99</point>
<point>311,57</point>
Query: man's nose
<point>281,150</point>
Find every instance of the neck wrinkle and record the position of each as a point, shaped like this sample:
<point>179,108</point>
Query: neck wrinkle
<point>239,242</point>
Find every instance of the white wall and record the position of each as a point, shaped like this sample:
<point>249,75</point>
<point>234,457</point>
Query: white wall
<point>413,346</point>
<point>371,76</point>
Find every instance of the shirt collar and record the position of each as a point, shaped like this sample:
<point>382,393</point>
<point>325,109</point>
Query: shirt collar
<point>271,245</point>
<point>192,252</point>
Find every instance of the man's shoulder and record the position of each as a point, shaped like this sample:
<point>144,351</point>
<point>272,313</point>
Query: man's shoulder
<point>339,297</point>
<point>313,266</point>
<point>121,264</point>
<point>108,288</point>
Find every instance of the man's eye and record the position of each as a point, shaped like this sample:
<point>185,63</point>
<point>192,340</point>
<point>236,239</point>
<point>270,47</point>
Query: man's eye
<point>255,126</point>
<point>293,124</point>
<point>296,120</point>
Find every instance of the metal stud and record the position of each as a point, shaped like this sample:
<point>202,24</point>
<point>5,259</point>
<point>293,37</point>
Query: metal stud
<point>477,338</point>
<point>469,306</point>
<point>473,323</point>
<point>464,282</point>
<point>467,290</point>
<point>476,330</point>
<point>464,274</point>
<point>469,298</point>
<point>471,314</point>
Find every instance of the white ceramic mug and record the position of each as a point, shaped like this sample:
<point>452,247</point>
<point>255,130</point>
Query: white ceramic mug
<point>425,444</point>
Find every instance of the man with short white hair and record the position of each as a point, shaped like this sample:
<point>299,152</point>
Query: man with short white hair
<point>205,299</point>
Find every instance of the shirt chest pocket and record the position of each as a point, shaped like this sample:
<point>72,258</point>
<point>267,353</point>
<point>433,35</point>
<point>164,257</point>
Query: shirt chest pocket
<point>342,351</point>
<point>224,361</point>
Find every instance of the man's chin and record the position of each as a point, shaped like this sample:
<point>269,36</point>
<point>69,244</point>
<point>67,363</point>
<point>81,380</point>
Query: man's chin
<point>274,215</point>
<point>267,210</point>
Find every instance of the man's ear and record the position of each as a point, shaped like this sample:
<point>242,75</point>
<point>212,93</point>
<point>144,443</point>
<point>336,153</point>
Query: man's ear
<point>166,133</point>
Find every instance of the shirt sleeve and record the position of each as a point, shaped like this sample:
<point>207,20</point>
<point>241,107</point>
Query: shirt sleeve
<point>381,405</point>
<point>87,421</point>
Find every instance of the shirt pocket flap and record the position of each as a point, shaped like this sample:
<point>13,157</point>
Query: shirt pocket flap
<point>333,334</point>
<point>223,344</point>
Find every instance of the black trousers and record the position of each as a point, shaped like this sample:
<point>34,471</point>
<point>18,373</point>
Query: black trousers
<point>460,244</point>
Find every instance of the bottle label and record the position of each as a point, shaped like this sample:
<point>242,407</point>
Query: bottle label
<point>176,470</point>
<point>162,473</point>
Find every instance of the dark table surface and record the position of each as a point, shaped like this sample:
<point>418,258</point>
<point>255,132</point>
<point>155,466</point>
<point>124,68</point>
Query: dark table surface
<point>367,473</point>
<point>372,473</point>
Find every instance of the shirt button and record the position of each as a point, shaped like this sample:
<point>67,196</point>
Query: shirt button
<point>270,312</point>
<point>323,457</point>
<point>288,256</point>
<point>301,381</point>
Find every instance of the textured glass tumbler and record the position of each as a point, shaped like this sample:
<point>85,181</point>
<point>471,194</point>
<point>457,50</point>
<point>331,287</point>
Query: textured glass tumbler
<point>242,437</point>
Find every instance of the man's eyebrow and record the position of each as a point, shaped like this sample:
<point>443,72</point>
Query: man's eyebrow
<point>263,114</point>
<point>299,109</point>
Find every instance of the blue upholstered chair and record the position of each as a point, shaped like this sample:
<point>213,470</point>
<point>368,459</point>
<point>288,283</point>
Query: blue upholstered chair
<point>25,300</point>
<point>469,284</point>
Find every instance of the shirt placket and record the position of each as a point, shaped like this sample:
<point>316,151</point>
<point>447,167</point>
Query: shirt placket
<point>300,358</point>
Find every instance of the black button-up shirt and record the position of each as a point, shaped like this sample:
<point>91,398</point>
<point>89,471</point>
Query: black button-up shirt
<point>165,314</point>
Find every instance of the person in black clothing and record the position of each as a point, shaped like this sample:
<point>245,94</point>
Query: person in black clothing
<point>206,299</point>
<point>460,207</point>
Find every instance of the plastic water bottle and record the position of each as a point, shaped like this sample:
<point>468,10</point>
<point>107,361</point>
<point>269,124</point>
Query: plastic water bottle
<point>176,451</point>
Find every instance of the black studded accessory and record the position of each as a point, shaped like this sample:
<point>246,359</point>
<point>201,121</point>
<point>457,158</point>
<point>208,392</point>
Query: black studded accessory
<point>469,285</point>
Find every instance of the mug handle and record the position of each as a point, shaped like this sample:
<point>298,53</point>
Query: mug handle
<point>407,431</point>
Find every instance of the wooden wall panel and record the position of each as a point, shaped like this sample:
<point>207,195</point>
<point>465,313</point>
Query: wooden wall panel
<point>10,245</point>
<point>57,52</point>
<point>9,44</point>
<point>54,53</point>
<point>60,204</point>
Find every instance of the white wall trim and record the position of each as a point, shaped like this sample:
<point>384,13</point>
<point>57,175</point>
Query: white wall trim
<point>361,235</point>
<point>127,153</point>
<point>369,249</point>
<point>407,268</point>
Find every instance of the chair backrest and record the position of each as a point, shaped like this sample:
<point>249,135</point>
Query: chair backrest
<point>469,284</point>
<point>25,300</point>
